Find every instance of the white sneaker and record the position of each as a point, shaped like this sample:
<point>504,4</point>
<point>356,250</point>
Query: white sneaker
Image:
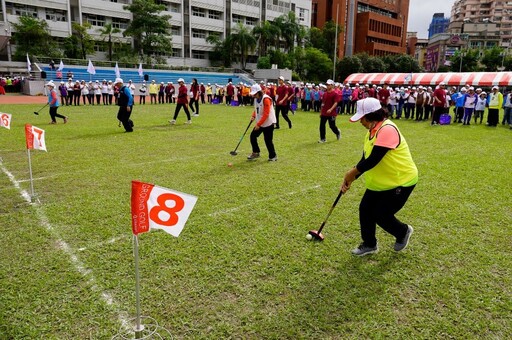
<point>195,115</point>
<point>188,122</point>
<point>172,122</point>
<point>322,141</point>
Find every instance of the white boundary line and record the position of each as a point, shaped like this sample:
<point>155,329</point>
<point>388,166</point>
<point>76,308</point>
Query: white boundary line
<point>68,250</point>
<point>36,179</point>
<point>100,244</point>
<point>230,210</point>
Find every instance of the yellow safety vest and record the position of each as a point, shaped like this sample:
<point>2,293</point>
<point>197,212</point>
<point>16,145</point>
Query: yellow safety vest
<point>395,169</point>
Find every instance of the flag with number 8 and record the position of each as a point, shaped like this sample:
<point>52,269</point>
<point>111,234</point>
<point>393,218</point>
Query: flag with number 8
<point>155,207</point>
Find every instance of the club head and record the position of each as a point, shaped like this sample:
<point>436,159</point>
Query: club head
<point>36,113</point>
<point>233,153</point>
<point>316,235</point>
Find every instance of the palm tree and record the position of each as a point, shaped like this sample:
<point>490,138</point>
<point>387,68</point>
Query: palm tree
<point>289,28</point>
<point>106,32</point>
<point>243,42</point>
<point>267,34</point>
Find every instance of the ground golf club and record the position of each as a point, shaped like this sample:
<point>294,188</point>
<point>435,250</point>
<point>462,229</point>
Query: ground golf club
<point>37,112</point>
<point>317,234</point>
<point>234,153</point>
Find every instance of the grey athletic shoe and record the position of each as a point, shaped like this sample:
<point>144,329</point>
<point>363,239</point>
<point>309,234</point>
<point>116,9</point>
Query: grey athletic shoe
<point>172,122</point>
<point>400,245</point>
<point>253,156</point>
<point>322,141</point>
<point>273,159</point>
<point>363,250</point>
<point>338,136</point>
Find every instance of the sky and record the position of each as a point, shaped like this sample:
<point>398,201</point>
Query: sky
<point>421,12</point>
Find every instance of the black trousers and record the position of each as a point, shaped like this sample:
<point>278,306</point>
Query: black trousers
<point>284,111</point>
<point>332,125</point>
<point>194,104</point>
<point>124,117</point>
<point>54,114</point>
<point>268,136</point>
<point>380,207</point>
<point>493,117</point>
<point>438,111</point>
<point>178,108</point>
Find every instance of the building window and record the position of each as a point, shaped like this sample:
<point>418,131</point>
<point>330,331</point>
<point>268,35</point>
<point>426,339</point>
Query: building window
<point>176,30</point>
<point>55,15</point>
<point>238,18</point>
<point>251,21</point>
<point>120,23</point>
<point>198,33</point>
<point>174,8</point>
<point>176,52</point>
<point>100,46</point>
<point>302,14</point>
<point>21,10</point>
<point>214,15</point>
<point>96,20</point>
<point>198,12</point>
<point>198,54</point>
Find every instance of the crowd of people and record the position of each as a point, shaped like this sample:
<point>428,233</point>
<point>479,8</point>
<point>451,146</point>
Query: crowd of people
<point>10,84</point>
<point>405,102</point>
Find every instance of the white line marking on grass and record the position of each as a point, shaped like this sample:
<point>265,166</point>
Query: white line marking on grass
<point>62,245</point>
<point>101,244</point>
<point>35,179</point>
<point>227,211</point>
<point>173,159</point>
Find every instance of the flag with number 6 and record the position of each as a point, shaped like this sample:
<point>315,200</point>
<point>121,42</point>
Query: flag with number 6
<point>34,137</point>
<point>155,207</point>
<point>5,120</point>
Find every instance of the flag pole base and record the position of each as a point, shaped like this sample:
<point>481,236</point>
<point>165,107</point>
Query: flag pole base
<point>148,329</point>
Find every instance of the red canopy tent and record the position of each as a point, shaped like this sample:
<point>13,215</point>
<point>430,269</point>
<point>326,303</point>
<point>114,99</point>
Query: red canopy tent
<point>482,79</point>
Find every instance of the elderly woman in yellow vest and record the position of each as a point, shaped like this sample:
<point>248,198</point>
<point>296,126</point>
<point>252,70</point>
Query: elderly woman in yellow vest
<point>390,176</point>
<point>495,100</point>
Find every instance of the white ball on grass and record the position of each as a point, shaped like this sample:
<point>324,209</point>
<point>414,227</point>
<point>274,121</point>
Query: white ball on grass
<point>309,237</point>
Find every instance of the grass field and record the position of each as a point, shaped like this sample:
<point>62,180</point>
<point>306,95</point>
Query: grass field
<point>242,267</point>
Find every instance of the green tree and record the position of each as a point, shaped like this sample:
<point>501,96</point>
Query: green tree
<point>32,36</point>
<point>465,61</point>
<point>493,59</point>
<point>107,33</point>
<point>149,29</point>
<point>289,29</point>
<point>243,41</point>
<point>267,34</point>
<point>316,39</point>
<point>264,63</point>
<point>347,66</point>
<point>317,65</point>
<point>222,51</point>
<point>80,42</point>
<point>401,63</point>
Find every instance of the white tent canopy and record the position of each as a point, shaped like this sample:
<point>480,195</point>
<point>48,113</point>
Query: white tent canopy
<point>482,79</point>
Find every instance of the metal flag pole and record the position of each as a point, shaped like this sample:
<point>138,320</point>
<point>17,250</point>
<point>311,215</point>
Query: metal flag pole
<point>31,179</point>
<point>138,327</point>
<point>335,44</point>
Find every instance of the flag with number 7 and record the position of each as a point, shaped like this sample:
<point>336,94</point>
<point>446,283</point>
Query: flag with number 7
<point>35,138</point>
<point>155,207</point>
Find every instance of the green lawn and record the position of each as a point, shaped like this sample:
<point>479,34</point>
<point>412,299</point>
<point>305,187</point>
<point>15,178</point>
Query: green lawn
<point>242,267</point>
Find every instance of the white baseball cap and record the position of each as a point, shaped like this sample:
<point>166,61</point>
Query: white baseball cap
<point>495,87</point>
<point>119,80</point>
<point>50,83</point>
<point>281,78</point>
<point>365,106</point>
<point>181,80</point>
<point>255,89</point>
<point>329,82</point>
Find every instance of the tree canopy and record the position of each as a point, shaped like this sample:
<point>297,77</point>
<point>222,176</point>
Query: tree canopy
<point>150,30</point>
